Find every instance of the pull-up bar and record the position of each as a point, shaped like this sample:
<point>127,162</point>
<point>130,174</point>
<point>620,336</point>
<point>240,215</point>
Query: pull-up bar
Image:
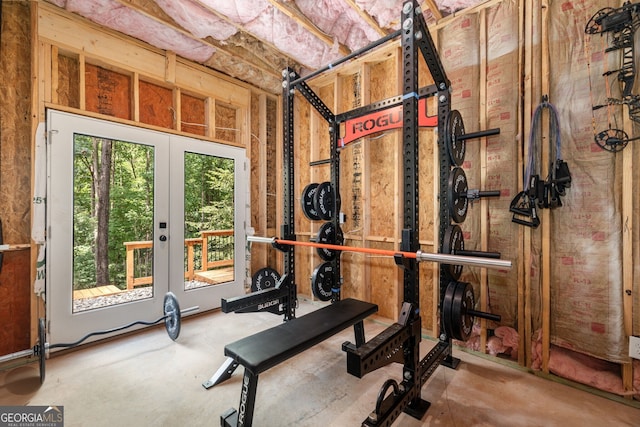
<point>352,55</point>
<point>419,256</point>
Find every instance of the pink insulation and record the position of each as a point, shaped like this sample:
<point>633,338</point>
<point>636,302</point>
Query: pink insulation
<point>221,19</point>
<point>113,14</point>
<point>337,18</point>
<point>197,19</point>
<point>584,369</point>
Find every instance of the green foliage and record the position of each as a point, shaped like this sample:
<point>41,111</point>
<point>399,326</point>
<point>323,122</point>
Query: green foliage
<point>208,205</point>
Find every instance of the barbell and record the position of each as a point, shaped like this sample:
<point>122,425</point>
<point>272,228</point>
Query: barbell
<point>172,321</point>
<point>419,256</point>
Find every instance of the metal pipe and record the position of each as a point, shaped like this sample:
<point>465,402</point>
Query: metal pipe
<point>465,260</point>
<point>466,252</point>
<point>479,134</point>
<point>352,55</point>
<point>485,315</point>
<point>16,355</point>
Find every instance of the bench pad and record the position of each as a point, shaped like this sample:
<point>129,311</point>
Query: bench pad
<point>273,346</point>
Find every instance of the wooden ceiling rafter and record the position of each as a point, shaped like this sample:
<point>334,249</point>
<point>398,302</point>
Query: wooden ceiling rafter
<point>367,18</point>
<point>219,48</point>
<point>433,7</point>
<point>305,23</point>
<point>291,61</point>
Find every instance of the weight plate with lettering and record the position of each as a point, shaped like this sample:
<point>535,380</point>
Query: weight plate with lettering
<point>328,235</point>
<point>452,242</point>
<point>456,147</point>
<point>457,188</point>
<point>322,281</point>
<point>324,201</point>
<point>264,278</point>
<point>308,202</point>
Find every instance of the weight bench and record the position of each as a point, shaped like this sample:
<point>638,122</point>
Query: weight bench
<point>268,348</point>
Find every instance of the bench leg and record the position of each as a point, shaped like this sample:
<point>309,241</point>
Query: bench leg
<point>223,373</point>
<point>358,331</point>
<point>244,416</point>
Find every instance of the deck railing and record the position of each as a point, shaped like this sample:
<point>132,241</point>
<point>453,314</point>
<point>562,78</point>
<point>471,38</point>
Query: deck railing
<point>213,249</point>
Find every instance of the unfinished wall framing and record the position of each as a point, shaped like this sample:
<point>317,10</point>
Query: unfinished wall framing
<point>573,297</point>
<point>501,58</point>
<point>114,77</point>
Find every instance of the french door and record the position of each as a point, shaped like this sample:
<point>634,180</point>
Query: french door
<point>133,214</point>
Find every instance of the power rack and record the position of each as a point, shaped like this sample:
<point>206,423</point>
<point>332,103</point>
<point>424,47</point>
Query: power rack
<point>400,342</point>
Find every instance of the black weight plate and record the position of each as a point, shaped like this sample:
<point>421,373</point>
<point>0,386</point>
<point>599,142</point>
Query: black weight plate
<point>264,278</point>
<point>42,337</point>
<point>452,242</point>
<point>454,127</point>
<point>328,235</point>
<point>322,281</point>
<point>447,301</point>
<point>324,200</point>
<point>457,195</point>
<point>308,202</point>
<point>461,321</point>
<point>173,317</point>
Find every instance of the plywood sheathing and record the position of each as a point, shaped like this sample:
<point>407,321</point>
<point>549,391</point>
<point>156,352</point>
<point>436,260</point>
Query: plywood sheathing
<point>68,91</point>
<point>15,122</point>
<point>108,92</point>
<point>15,173</point>
<point>156,105</point>
<point>15,299</point>
<point>192,115</point>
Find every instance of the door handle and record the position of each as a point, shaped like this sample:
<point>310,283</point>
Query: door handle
<point>163,238</point>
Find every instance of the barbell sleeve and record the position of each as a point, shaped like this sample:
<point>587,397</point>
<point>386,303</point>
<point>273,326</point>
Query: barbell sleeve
<point>464,260</point>
<point>260,239</point>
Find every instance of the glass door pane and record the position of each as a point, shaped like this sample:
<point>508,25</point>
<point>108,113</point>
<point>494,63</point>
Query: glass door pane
<point>208,211</point>
<point>107,256</point>
<point>208,220</point>
<point>113,199</point>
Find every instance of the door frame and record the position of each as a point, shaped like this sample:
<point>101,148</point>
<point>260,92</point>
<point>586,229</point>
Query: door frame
<point>65,326</point>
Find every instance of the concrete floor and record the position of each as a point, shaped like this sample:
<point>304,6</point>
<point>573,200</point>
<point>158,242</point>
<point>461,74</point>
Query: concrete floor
<point>145,379</point>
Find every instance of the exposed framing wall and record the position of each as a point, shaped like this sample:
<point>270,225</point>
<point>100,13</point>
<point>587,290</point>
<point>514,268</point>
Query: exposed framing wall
<point>161,91</point>
<point>501,57</point>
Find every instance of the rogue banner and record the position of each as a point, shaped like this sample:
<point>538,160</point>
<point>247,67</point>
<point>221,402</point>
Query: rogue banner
<point>379,121</point>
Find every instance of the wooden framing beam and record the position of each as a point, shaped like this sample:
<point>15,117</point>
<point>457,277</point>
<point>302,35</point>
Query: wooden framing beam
<point>367,18</point>
<point>219,47</point>
<point>304,22</point>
